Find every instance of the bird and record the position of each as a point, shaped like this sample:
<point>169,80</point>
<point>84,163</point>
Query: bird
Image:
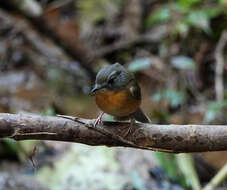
<point>117,93</point>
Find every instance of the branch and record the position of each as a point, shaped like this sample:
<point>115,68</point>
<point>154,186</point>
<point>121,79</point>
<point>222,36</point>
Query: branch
<point>175,138</point>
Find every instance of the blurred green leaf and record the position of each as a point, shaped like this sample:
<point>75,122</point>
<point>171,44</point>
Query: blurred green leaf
<point>218,105</point>
<point>8,148</point>
<point>11,145</point>
<point>95,10</point>
<point>210,116</point>
<point>171,167</point>
<point>221,1</point>
<point>169,164</point>
<point>183,62</point>
<point>49,111</point>
<point>225,94</point>
<point>187,3</point>
<point>182,28</point>
<point>186,6</point>
<point>161,15</point>
<point>186,165</point>
<point>200,20</point>
<point>213,110</point>
<point>139,64</point>
<point>174,97</point>
<point>213,12</point>
<point>188,15</point>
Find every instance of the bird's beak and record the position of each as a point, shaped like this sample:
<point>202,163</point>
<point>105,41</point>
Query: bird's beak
<point>95,88</point>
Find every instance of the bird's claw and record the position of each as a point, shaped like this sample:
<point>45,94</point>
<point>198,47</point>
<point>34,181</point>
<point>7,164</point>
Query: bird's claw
<point>98,120</point>
<point>129,128</point>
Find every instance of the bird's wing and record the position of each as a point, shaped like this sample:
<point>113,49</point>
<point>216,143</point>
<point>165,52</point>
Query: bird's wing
<point>135,90</point>
<point>140,116</point>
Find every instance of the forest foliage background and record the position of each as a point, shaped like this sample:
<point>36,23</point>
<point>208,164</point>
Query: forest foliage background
<point>50,52</point>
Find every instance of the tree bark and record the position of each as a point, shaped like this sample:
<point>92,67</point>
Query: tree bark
<point>175,138</point>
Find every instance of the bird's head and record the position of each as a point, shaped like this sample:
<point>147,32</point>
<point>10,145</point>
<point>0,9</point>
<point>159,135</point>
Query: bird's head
<point>112,78</point>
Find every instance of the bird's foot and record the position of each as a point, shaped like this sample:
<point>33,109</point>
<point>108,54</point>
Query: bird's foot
<point>129,128</point>
<point>99,119</point>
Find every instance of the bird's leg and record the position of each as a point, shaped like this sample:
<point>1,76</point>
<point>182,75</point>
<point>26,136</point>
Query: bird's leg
<point>99,119</point>
<point>132,121</point>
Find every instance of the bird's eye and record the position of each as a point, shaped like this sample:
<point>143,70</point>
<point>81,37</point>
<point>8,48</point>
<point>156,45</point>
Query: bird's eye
<point>110,81</point>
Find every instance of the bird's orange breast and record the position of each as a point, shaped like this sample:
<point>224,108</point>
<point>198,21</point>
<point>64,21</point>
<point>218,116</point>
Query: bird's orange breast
<point>119,104</point>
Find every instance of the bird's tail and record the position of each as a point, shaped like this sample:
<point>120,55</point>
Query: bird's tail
<point>140,116</point>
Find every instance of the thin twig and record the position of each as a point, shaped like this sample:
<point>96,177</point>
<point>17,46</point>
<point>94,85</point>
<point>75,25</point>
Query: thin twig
<point>218,179</point>
<point>219,85</point>
<point>30,8</point>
